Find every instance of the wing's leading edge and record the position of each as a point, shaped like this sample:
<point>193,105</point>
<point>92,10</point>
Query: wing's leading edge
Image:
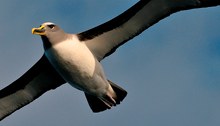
<point>104,39</point>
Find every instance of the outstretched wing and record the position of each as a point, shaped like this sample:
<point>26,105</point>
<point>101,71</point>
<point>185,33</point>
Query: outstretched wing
<point>103,40</point>
<point>36,81</point>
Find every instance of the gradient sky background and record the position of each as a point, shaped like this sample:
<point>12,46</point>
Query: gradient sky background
<point>171,71</point>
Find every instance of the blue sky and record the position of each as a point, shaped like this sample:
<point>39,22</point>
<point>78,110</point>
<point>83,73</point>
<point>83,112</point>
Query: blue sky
<point>171,71</point>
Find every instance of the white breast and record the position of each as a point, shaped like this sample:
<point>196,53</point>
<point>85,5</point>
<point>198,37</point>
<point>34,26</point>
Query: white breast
<point>73,60</point>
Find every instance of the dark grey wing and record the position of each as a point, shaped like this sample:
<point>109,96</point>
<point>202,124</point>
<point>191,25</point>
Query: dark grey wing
<point>36,81</point>
<point>103,40</point>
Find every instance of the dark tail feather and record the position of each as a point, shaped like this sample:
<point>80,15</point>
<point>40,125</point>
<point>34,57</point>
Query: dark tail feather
<point>98,105</point>
<point>120,92</point>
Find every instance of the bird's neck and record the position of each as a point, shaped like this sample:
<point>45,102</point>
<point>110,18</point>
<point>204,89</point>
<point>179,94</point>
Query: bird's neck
<point>48,41</point>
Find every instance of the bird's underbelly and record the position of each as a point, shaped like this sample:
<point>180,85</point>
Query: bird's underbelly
<point>76,64</point>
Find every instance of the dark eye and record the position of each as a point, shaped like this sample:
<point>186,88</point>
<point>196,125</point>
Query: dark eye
<point>51,26</point>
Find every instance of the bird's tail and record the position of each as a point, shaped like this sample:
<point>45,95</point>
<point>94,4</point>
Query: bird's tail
<point>98,105</point>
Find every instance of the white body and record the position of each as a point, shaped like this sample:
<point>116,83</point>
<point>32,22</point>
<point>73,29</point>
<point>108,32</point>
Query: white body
<point>77,65</point>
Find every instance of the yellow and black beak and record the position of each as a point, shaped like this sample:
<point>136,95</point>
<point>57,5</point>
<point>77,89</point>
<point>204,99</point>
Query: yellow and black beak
<point>39,31</point>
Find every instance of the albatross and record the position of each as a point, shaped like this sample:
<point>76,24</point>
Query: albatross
<point>75,58</point>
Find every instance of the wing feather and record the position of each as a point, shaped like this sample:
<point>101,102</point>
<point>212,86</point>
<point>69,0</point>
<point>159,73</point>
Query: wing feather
<point>104,39</point>
<point>35,82</point>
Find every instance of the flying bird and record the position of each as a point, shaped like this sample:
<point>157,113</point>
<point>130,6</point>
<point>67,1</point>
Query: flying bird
<point>75,58</point>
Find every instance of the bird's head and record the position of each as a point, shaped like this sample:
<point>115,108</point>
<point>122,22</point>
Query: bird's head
<point>51,32</point>
<point>46,29</point>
